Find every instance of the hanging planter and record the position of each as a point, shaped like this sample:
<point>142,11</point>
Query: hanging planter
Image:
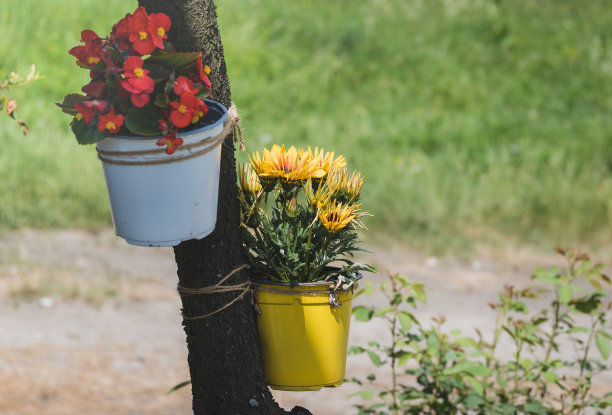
<point>159,199</point>
<point>303,333</point>
<point>157,135</point>
<point>300,213</point>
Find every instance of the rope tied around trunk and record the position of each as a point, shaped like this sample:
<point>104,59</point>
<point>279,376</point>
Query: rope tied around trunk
<point>252,287</point>
<point>244,288</point>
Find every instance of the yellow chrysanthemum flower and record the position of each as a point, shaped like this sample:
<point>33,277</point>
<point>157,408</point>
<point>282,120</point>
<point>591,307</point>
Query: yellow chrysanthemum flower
<point>319,198</point>
<point>325,162</point>
<point>352,185</point>
<point>335,179</point>
<point>289,166</point>
<point>334,217</point>
<point>248,180</point>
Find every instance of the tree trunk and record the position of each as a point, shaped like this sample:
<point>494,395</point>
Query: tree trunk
<point>224,355</point>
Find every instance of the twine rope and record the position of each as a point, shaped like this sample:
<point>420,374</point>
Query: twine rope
<point>231,124</point>
<point>252,287</point>
<point>244,287</point>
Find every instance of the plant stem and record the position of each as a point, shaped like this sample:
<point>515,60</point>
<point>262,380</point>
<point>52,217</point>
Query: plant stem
<point>551,339</point>
<point>307,259</point>
<point>516,368</point>
<point>394,337</point>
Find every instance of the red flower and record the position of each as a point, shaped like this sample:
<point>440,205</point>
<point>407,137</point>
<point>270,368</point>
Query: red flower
<point>136,81</point>
<point>89,55</point>
<point>86,109</point>
<point>121,34</point>
<point>95,88</point>
<point>139,32</point>
<point>203,72</point>
<point>110,121</point>
<point>184,111</point>
<point>159,24</point>
<point>171,141</point>
<point>183,84</point>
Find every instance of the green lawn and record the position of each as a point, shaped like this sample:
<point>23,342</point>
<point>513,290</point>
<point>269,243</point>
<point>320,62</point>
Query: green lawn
<point>469,118</point>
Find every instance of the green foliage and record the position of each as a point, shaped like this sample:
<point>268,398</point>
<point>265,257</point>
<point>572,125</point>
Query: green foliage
<point>468,117</point>
<point>456,374</point>
<point>289,243</point>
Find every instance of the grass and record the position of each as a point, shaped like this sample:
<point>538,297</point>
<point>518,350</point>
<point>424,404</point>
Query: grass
<point>471,119</point>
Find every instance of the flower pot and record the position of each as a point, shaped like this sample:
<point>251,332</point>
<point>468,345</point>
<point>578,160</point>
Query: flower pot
<point>303,339</point>
<point>159,199</point>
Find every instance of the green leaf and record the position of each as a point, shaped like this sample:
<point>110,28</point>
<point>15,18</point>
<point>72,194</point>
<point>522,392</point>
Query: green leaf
<point>535,408</point>
<point>501,381</point>
<point>589,303</point>
<point>374,358</point>
<point>476,385</point>
<point>369,289</point>
<point>143,121</point>
<point>180,385</point>
<point>362,313</point>
<point>174,60</point>
<point>383,311</point>
<point>467,366</point>
<point>404,359</point>
<point>86,134</point>
<point>405,320</point>
<point>162,100</point>
<point>550,377</point>
<point>603,344</point>
<point>67,105</point>
<point>355,350</point>
<point>367,394</point>
<point>578,329</point>
<point>565,293</point>
<point>473,401</point>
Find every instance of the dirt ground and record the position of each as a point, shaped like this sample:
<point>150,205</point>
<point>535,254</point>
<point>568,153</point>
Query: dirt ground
<point>91,325</point>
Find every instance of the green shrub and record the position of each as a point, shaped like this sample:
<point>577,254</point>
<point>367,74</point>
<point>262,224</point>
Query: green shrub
<point>457,374</point>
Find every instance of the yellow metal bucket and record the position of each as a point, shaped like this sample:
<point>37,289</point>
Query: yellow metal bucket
<point>303,339</point>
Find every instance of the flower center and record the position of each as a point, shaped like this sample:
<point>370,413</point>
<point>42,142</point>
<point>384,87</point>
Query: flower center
<point>138,73</point>
<point>93,60</point>
<point>143,35</point>
<point>79,116</point>
<point>161,32</point>
<point>110,126</point>
<point>182,109</point>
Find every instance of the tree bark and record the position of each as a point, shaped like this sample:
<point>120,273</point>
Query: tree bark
<point>224,356</point>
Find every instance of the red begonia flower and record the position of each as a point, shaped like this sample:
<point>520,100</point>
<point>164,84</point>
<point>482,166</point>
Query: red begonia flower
<point>137,82</point>
<point>110,121</point>
<point>183,111</point>
<point>183,84</point>
<point>121,33</point>
<point>171,141</point>
<point>203,72</point>
<point>95,88</point>
<point>91,54</point>
<point>86,109</point>
<point>139,32</point>
<point>139,100</point>
<point>159,26</point>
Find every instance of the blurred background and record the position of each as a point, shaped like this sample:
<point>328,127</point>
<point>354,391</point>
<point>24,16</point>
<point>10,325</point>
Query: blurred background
<point>479,125</point>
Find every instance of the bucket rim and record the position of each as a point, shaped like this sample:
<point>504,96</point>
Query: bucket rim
<point>212,105</point>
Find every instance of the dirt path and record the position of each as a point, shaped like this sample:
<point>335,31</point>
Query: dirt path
<point>91,325</point>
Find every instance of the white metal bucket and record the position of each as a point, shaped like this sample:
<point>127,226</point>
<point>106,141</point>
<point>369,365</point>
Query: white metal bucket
<point>159,199</point>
